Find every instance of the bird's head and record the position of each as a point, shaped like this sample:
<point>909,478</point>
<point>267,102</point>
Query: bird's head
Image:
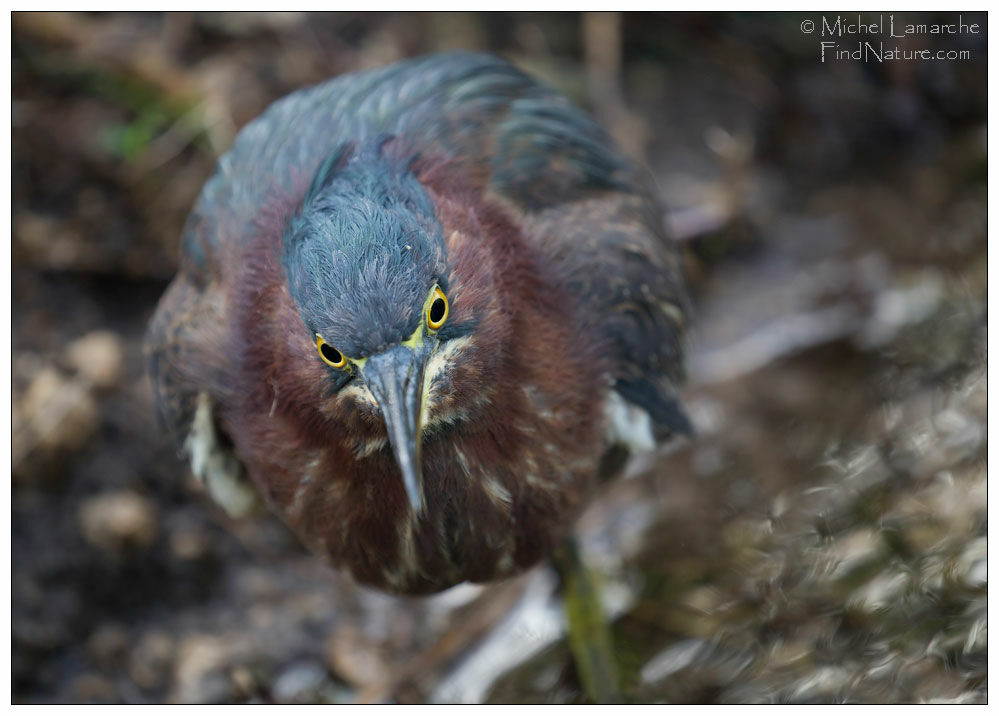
<point>367,268</point>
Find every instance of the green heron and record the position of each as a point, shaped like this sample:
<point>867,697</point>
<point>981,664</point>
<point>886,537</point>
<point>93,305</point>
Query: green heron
<point>418,309</point>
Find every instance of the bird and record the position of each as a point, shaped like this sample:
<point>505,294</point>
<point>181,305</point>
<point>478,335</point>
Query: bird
<point>420,311</point>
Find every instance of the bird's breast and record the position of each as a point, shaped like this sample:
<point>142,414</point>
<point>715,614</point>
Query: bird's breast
<point>500,494</point>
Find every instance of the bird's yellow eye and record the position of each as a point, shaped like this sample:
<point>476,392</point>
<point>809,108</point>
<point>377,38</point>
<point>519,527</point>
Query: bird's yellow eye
<point>437,310</point>
<point>330,355</point>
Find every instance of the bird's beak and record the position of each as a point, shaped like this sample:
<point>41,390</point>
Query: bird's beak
<point>395,378</point>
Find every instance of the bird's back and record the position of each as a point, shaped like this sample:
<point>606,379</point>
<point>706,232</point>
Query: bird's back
<point>589,210</point>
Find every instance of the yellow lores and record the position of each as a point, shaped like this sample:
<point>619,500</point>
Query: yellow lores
<point>435,313</point>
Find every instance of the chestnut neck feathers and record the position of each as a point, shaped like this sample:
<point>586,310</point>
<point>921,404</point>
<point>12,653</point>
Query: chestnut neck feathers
<point>486,518</point>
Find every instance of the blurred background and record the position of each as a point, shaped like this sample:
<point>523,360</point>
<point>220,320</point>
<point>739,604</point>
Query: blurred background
<point>822,539</point>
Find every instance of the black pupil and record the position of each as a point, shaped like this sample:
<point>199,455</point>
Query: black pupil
<point>330,353</point>
<point>437,310</point>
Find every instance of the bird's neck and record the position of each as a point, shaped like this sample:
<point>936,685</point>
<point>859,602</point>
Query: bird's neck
<point>527,342</point>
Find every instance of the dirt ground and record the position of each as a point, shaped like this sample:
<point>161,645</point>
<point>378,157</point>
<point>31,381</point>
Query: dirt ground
<point>821,539</point>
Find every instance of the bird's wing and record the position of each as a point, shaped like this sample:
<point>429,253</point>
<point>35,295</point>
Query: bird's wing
<point>186,351</point>
<point>610,252</point>
<point>594,215</point>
